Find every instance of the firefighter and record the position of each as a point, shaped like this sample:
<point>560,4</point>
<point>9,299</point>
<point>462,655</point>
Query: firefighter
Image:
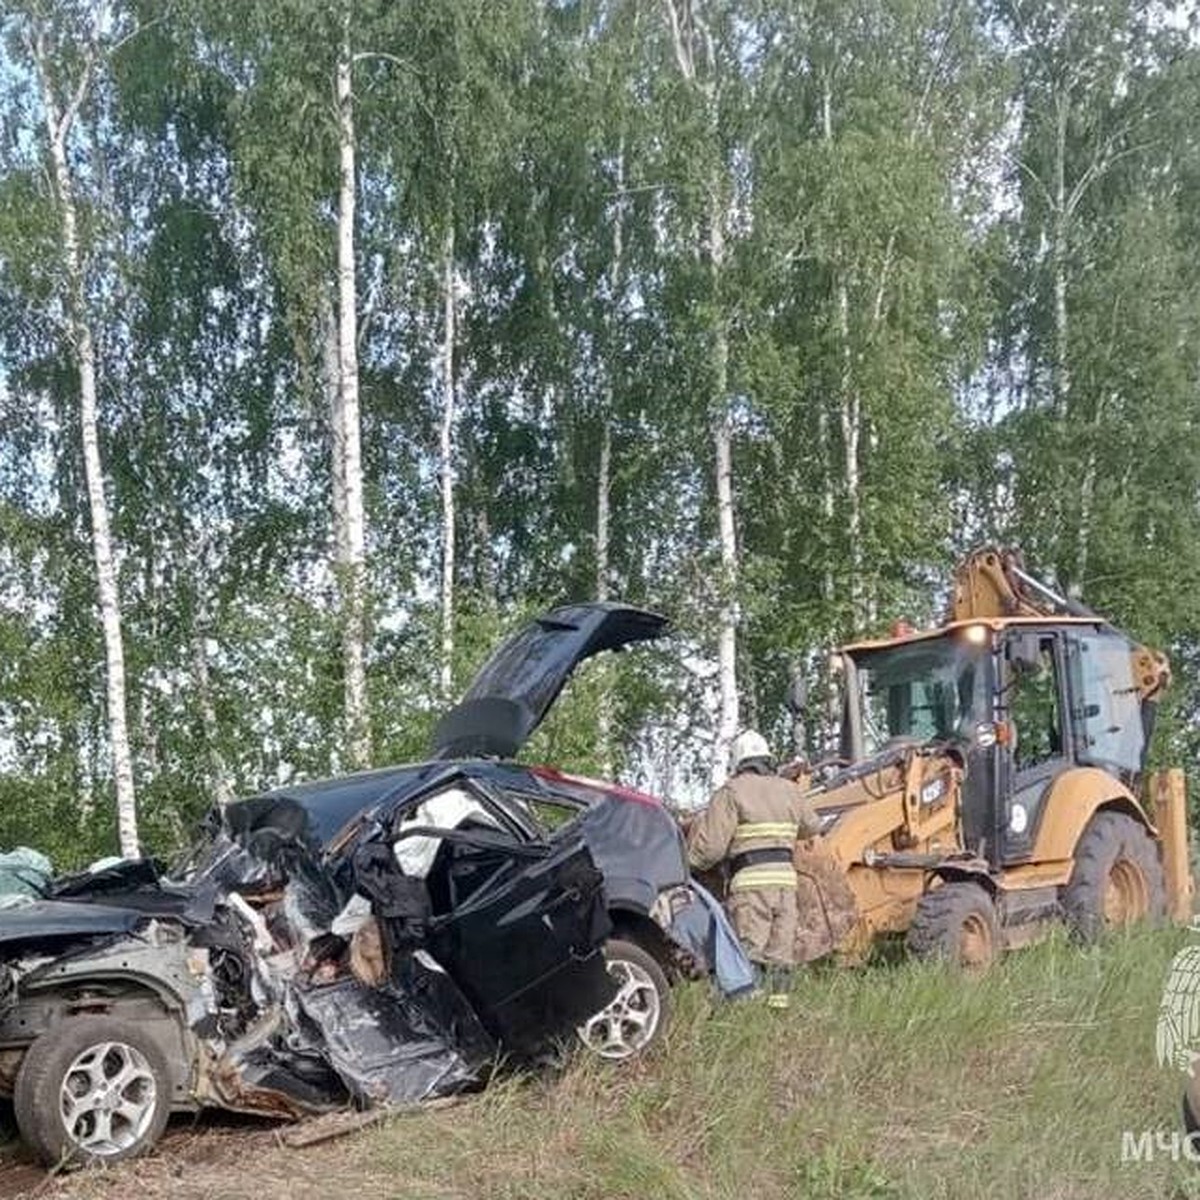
<point>752,823</point>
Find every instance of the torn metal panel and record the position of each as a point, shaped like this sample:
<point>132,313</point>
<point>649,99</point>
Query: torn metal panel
<point>273,1070</point>
<point>403,1042</point>
<point>52,920</point>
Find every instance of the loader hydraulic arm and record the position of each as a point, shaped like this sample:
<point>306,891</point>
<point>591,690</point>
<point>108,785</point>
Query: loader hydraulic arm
<point>993,584</point>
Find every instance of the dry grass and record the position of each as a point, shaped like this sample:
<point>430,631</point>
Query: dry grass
<point>890,1082</point>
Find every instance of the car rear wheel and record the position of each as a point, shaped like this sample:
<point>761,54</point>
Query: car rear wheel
<point>637,1016</point>
<point>93,1090</point>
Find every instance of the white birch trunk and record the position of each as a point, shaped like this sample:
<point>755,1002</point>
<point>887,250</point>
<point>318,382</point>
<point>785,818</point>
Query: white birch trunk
<point>850,415</point>
<point>604,720</point>
<point>58,130</point>
<point>331,386</point>
<point>728,715</point>
<point>603,507</point>
<point>446,457</point>
<point>1062,379</point>
<point>849,408</point>
<point>604,464</point>
<point>685,27</point>
<point>358,734</point>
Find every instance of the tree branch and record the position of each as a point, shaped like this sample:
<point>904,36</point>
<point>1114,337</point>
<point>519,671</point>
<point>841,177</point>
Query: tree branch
<point>683,55</point>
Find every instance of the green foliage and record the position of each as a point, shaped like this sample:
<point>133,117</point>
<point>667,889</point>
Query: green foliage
<point>898,268</point>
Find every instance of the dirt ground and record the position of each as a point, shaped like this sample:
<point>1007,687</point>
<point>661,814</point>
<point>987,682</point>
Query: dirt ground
<point>206,1156</point>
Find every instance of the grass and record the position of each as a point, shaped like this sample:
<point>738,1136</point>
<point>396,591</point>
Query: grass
<point>888,1082</point>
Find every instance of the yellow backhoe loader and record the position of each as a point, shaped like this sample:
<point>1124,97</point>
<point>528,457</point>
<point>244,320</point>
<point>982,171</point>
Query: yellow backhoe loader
<point>992,775</point>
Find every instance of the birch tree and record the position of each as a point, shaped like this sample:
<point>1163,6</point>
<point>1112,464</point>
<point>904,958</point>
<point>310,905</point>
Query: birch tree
<point>446,451</point>
<point>694,47</point>
<point>350,539</point>
<point>62,99</point>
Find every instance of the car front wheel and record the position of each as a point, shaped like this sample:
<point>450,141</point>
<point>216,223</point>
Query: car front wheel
<point>92,1090</point>
<point>636,1018</point>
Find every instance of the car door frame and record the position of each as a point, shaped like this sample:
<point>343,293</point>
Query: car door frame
<point>577,983</point>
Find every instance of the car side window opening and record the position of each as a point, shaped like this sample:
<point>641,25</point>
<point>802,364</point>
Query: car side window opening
<point>549,815</point>
<point>453,871</point>
<point>1033,708</point>
<point>455,808</point>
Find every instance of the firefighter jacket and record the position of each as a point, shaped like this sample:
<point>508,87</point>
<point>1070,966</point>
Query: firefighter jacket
<point>752,823</point>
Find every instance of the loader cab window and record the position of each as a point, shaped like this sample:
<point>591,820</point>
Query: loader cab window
<point>1034,692</point>
<point>932,690</point>
<point>1106,710</point>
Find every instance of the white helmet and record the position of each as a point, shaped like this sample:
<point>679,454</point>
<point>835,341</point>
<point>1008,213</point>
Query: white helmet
<point>747,745</point>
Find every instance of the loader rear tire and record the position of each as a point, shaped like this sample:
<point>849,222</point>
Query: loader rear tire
<point>1117,880</point>
<point>956,923</point>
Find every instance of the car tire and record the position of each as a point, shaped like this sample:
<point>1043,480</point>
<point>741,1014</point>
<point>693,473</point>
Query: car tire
<point>634,1021</point>
<point>956,923</point>
<point>1117,879</point>
<point>92,1090</point>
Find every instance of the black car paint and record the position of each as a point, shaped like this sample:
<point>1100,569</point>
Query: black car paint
<point>633,840</point>
<point>515,688</point>
<point>59,921</point>
<point>519,980</point>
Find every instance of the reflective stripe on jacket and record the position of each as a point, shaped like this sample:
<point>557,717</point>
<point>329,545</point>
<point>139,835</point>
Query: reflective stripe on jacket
<point>763,875</point>
<point>752,812</point>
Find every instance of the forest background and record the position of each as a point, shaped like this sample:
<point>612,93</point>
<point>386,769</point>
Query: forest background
<point>338,338</point>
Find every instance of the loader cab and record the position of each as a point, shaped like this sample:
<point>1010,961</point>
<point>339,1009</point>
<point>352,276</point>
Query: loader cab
<point>1020,702</point>
<point>931,690</point>
<point>1067,697</point>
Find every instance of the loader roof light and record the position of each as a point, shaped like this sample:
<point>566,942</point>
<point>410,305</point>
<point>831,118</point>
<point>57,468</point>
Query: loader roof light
<point>975,635</point>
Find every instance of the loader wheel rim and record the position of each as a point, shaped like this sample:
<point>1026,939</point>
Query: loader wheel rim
<point>107,1098</point>
<point>975,945</point>
<point>1126,896</point>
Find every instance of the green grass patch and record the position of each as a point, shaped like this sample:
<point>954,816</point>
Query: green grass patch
<point>890,1082</point>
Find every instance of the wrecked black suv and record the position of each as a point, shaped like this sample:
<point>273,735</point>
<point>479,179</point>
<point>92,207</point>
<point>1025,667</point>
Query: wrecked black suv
<point>381,938</point>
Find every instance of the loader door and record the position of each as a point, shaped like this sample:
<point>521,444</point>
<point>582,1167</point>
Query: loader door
<point>1035,711</point>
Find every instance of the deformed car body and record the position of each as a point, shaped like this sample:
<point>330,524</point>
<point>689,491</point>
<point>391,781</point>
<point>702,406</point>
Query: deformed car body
<point>380,938</point>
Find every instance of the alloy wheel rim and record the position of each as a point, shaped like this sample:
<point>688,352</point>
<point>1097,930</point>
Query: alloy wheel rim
<point>107,1098</point>
<point>628,1023</point>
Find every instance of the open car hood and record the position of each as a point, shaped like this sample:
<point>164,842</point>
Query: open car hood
<point>513,692</point>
